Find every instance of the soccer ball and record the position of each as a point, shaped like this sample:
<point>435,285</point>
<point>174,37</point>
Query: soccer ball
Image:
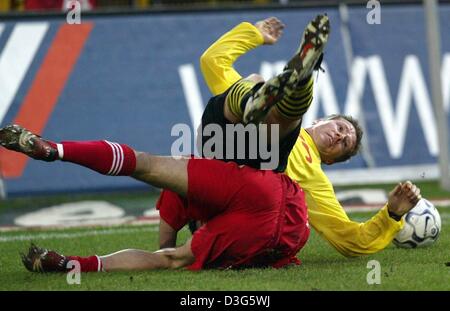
<point>422,226</point>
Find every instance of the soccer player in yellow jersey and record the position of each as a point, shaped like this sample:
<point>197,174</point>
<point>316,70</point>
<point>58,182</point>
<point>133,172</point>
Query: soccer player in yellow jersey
<point>328,141</point>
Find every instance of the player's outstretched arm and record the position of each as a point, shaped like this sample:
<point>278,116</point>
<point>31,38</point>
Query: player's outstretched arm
<point>352,238</point>
<point>217,61</point>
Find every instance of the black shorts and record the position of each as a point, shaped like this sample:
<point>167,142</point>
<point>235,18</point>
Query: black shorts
<point>213,114</point>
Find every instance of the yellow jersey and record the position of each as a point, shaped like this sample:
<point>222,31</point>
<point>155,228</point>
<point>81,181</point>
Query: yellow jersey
<point>326,215</point>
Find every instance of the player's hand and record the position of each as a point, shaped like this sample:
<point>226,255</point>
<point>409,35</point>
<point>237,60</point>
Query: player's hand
<point>271,29</point>
<point>403,198</point>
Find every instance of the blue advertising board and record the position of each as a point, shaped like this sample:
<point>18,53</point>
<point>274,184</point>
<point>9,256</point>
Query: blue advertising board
<point>130,79</point>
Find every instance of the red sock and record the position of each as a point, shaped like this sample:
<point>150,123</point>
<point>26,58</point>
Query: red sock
<point>88,264</point>
<point>101,156</point>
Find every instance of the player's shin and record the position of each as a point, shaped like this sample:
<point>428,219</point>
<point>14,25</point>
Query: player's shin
<point>296,101</point>
<point>291,95</point>
<point>104,157</point>
<point>237,97</point>
<point>135,260</point>
<point>87,264</point>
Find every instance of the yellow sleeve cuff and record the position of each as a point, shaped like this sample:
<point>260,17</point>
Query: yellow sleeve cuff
<point>391,221</point>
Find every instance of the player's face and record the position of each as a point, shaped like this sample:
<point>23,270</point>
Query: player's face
<point>333,138</point>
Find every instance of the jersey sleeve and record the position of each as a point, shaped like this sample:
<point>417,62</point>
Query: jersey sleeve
<point>350,238</point>
<point>326,214</point>
<point>217,61</point>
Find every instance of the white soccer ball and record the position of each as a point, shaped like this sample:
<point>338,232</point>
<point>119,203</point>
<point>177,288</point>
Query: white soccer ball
<point>422,226</point>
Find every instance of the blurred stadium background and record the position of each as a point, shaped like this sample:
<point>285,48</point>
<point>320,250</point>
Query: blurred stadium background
<point>130,72</point>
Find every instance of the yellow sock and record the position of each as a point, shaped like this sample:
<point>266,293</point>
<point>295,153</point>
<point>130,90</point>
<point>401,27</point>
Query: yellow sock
<point>297,101</point>
<point>237,92</point>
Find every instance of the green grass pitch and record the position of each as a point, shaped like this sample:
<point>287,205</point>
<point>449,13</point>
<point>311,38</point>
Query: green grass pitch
<point>323,268</point>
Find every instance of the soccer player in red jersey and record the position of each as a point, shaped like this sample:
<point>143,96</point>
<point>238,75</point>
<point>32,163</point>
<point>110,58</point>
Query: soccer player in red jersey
<point>253,217</point>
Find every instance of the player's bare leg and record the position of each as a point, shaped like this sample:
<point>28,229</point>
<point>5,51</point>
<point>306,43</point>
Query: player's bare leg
<point>134,259</point>
<point>42,260</point>
<point>104,157</point>
<point>217,65</point>
<point>163,172</point>
<point>167,235</point>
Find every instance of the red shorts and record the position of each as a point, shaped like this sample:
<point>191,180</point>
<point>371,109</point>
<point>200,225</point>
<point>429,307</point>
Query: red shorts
<point>253,217</point>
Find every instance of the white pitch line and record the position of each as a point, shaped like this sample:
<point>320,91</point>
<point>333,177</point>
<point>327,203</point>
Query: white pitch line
<point>65,235</point>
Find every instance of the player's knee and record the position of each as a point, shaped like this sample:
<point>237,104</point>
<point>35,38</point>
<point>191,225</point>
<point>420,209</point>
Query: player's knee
<point>177,263</point>
<point>166,256</point>
<point>174,258</point>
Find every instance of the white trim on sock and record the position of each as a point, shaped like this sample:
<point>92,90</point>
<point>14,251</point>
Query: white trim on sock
<point>114,161</point>
<point>60,148</point>
<point>99,265</point>
<point>114,171</point>
<point>120,159</point>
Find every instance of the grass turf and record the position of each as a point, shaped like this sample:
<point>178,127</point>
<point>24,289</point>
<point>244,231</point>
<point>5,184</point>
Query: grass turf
<point>322,269</point>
